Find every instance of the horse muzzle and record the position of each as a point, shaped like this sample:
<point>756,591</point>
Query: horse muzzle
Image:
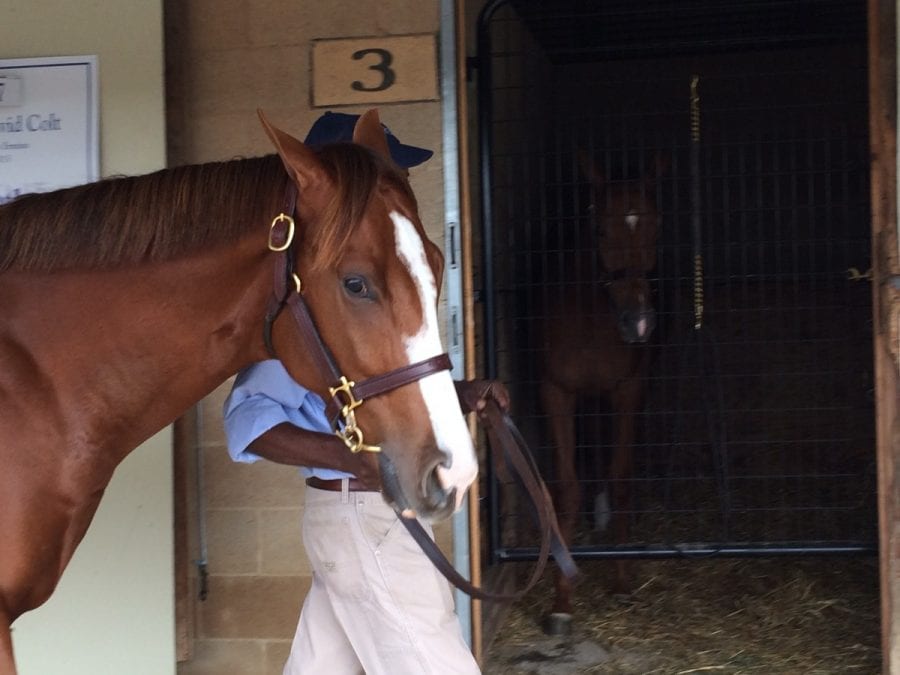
<point>425,497</point>
<point>636,326</point>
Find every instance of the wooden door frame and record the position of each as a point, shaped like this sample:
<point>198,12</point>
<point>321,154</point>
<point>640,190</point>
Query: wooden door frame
<point>468,303</point>
<point>485,620</point>
<point>882,17</point>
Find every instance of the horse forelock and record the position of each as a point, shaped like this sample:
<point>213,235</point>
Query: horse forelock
<point>126,220</point>
<point>629,227</point>
<point>357,175</point>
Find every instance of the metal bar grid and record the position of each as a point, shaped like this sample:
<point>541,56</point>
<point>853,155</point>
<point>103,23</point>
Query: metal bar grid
<point>784,191</point>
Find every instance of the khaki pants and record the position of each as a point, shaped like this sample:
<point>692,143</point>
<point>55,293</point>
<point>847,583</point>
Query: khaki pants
<point>377,605</point>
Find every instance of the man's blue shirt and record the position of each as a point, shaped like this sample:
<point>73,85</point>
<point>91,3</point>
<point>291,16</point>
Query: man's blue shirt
<point>264,396</point>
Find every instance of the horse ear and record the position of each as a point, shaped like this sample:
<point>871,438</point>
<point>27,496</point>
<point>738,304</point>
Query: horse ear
<point>299,161</point>
<point>369,133</point>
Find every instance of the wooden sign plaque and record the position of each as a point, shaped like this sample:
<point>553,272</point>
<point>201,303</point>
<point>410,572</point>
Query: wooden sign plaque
<point>391,69</point>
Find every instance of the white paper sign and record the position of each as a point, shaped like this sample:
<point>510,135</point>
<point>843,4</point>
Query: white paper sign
<point>49,126</point>
<point>10,91</point>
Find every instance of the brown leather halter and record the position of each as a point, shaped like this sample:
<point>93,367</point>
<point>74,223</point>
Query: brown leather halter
<point>346,395</point>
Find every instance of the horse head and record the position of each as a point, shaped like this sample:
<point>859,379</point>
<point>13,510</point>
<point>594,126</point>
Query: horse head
<point>627,221</point>
<point>370,278</point>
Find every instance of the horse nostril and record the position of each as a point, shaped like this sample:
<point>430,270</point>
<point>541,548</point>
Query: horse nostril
<point>435,495</point>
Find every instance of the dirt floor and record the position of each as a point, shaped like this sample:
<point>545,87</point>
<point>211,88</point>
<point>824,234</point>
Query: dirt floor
<point>774,616</point>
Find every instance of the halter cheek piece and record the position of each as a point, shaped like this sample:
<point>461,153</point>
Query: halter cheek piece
<point>346,395</point>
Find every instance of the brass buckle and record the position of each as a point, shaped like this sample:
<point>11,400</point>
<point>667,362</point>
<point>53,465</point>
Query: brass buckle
<point>351,434</point>
<point>281,217</point>
<point>346,389</point>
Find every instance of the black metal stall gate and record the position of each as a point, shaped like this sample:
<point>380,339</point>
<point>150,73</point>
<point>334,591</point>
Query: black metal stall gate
<point>756,434</point>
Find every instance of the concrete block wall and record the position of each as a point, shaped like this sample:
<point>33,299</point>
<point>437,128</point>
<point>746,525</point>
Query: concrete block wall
<point>225,59</point>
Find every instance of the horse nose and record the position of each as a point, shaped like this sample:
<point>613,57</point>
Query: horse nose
<point>637,326</point>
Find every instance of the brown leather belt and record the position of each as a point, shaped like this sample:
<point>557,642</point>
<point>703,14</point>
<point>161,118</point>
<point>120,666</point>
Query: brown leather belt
<point>334,485</point>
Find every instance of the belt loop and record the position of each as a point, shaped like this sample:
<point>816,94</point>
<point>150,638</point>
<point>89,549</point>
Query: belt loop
<point>345,490</point>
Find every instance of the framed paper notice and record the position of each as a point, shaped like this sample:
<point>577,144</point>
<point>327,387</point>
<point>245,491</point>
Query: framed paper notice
<point>49,127</point>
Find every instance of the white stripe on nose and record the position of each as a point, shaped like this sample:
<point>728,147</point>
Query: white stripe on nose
<point>641,327</point>
<point>450,431</point>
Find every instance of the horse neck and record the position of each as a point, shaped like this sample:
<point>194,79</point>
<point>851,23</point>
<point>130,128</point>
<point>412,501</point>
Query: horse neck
<point>129,350</point>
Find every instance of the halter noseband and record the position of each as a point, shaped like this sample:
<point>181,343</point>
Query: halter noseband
<point>624,273</point>
<point>346,395</point>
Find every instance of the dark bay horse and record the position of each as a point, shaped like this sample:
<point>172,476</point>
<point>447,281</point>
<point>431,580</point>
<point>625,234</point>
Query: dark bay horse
<point>593,343</point>
<point>124,302</point>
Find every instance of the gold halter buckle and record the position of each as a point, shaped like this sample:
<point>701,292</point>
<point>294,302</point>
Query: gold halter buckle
<point>351,434</point>
<point>281,217</point>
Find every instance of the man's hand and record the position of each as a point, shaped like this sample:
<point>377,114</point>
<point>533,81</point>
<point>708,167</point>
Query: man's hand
<point>474,395</point>
<point>364,465</point>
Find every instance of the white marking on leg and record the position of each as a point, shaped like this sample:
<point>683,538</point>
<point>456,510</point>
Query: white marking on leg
<point>602,511</point>
<point>450,430</point>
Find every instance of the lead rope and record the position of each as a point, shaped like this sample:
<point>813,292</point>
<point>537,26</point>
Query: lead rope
<point>695,203</point>
<point>707,348</point>
<point>704,345</point>
<point>505,437</point>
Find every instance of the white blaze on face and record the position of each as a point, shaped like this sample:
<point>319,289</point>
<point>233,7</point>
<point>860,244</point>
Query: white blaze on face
<point>642,324</point>
<point>450,430</point>
<point>641,327</point>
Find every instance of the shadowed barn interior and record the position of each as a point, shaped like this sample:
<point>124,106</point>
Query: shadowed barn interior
<point>753,443</point>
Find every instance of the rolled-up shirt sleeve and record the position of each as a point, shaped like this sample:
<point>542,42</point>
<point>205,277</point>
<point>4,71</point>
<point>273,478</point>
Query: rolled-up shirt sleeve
<point>264,396</point>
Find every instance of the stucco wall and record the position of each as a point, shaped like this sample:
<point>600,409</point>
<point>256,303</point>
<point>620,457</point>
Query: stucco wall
<point>113,611</point>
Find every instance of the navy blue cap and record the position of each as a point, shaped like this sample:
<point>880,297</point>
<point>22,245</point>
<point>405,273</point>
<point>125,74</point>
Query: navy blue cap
<point>333,127</point>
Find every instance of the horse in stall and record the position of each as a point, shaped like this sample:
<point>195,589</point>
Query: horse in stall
<point>126,301</point>
<point>593,342</point>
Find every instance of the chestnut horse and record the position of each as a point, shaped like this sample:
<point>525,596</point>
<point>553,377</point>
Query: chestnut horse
<point>593,342</point>
<point>126,301</point>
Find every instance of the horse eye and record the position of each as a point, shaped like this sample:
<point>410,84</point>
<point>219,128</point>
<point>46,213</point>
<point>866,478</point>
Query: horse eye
<point>356,286</point>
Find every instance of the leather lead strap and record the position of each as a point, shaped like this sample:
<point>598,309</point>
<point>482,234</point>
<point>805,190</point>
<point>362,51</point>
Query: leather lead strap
<point>506,437</point>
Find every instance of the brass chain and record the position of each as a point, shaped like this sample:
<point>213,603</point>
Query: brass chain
<point>698,256</point>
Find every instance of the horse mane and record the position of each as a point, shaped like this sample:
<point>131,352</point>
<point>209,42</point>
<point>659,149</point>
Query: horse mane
<point>175,212</point>
<point>147,218</point>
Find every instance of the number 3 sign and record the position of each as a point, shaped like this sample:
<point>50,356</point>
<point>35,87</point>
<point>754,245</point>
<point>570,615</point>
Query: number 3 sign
<point>374,70</point>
